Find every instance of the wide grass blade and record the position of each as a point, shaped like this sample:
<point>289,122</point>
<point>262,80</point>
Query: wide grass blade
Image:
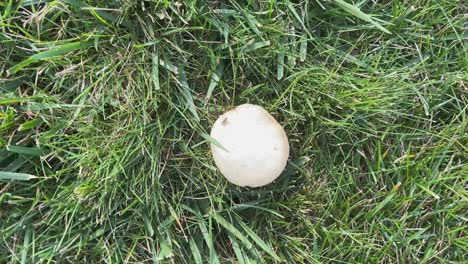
<point>213,141</point>
<point>26,150</point>
<point>7,10</point>
<point>233,230</point>
<point>6,175</point>
<point>356,11</point>
<point>280,63</point>
<point>195,251</point>
<point>267,248</point>
<point>53,52</point>
<point>30,124</point>
<point>237,250</point>
<point>207,235</point>
<point>255,46</point>
<point>215,78</point>
<point>188,94</point>
<point>26,246</point>
<point>165,250</point>
<point>155,71</point>
<point>13,100</point>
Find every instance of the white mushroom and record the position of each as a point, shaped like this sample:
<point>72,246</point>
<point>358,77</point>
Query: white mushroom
<point>254,149</point>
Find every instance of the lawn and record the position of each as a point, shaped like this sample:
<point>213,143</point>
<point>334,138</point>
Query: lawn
<point>106,108</point>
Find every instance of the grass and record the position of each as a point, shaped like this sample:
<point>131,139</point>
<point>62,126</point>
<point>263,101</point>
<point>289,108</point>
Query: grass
<point>105,107</point>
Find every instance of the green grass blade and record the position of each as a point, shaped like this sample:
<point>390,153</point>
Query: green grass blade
<point>53,52</point>
<point>213,141</point>
<point>251,21</point>
<point>14,100</point>
<point>255,46</point>
<point>303,48</point>
<point>148,225</point>
<point>233,230</point>
<point>280,63</point>
<point>6,175</point>
<point>298,18</point>
<point>155,71</point>
<point>165,250</point>
<point>208,237</point>
<point>30,124</point>
<point>195,251</point>
<point>25,249</point>
<point>170,67</point>
<point>17,163</point>
<point>433,194</point>
<point>98,17</point>
<point>267,248</point>
<point>149,43</point>
<point>356,11</point>
<point>237,250</point>
<point>215,78</point>
<point>188,94</point>
<point>7,10</point>
<point>26,150</point>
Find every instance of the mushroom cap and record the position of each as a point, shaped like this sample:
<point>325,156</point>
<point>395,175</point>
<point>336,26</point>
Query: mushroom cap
<point>256,148</point>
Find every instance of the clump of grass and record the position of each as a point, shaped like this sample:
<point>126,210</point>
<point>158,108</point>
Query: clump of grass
<point>105,107</point>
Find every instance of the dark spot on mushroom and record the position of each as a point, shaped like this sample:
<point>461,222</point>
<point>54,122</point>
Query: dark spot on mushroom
<point>225,122</point>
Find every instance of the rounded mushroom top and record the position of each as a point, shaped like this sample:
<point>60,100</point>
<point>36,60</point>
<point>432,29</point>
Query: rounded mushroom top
<point>256,148</point>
